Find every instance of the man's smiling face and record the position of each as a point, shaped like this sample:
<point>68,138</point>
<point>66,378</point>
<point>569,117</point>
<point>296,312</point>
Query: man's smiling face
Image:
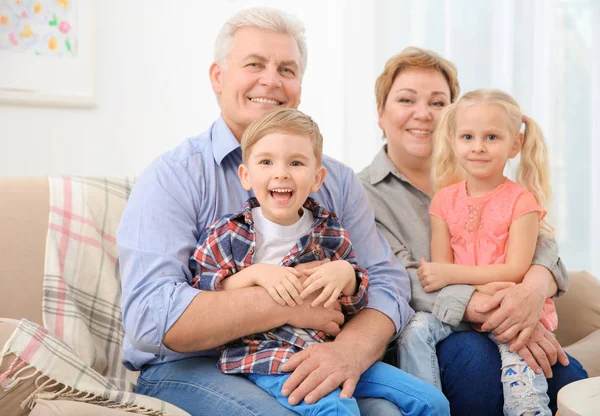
<point>262,72</point>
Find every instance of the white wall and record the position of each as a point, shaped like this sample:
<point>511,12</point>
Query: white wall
<point>152,62</point>
<point>153,91</point>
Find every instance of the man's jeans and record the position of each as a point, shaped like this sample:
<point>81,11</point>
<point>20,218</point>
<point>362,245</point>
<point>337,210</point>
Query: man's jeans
<point>197,386</point>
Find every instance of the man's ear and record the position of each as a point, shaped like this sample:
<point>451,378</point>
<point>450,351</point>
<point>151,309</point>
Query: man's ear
<point>244,177</point>
<point>215,74</point>
<point>319,179</point>
<point>517,145</point>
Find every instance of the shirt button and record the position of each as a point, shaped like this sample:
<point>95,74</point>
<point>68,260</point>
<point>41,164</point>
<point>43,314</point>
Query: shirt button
<point>252,250</point>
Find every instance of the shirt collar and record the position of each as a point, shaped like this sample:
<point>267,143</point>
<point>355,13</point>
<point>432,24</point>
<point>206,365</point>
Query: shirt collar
<point>223,140</point>
<point>310,204</point>
<point>382,166</point>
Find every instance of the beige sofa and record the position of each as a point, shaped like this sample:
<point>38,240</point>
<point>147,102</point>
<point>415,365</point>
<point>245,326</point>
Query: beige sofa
<point>23,224</point>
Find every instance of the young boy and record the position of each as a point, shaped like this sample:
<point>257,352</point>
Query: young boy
<point>280,227</point>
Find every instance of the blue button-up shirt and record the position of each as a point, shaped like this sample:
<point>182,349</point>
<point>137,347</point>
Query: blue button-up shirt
<point>187,189</point>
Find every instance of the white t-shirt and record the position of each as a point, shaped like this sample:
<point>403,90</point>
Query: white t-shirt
<point>274,241</point>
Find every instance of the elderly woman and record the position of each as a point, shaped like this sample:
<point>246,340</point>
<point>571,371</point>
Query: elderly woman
<point>411,92</point>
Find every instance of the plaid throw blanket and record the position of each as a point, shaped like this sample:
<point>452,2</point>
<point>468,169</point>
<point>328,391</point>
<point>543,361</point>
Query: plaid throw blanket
<point>81,343</point>
<point>60,373</point>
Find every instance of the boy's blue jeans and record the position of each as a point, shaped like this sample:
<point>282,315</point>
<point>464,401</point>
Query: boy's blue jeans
<point>413,397</point>
<point>197,386</point>
<point>524,391</point>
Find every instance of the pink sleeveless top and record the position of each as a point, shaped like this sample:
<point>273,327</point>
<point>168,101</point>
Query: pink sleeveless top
<point>479,226</point>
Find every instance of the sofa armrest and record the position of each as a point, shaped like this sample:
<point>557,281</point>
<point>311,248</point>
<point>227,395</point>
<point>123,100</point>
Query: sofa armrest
<point>24,223</point>
<point>578,309</point>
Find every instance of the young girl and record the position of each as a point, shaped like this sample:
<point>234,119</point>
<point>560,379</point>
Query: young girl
<point>485,226</point>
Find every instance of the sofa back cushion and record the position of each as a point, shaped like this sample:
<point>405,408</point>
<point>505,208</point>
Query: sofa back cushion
<point>578,309</point>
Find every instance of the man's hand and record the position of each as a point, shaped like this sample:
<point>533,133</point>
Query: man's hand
<point>318,370</point>
<point>432,276</point>
<point>542,350</point>
<point>321,368</point>
<point>519,311</point>
<point>318,318</point>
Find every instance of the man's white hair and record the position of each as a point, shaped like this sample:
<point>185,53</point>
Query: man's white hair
<point>263,18</point>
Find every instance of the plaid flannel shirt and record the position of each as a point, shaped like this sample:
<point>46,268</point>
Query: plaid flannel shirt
<point>229,248</point>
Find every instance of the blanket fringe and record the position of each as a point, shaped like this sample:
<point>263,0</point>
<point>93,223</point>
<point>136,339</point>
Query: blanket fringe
<point>49,389</point>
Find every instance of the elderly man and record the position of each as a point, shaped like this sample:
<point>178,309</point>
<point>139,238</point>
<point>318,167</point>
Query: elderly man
<point>172,328</point>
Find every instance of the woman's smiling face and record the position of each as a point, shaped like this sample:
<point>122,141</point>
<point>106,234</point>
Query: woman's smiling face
<point>414,101</point>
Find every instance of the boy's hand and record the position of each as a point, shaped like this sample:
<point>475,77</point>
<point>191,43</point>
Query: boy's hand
<point>333,278</point>
<point>433,276</point>
<point>493,287</point>
<point>282,283</point>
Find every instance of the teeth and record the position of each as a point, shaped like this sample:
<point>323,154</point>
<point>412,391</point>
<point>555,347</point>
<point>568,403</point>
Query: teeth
<point>419,131</point>
<point>264,100</point>
<point>281,190</point>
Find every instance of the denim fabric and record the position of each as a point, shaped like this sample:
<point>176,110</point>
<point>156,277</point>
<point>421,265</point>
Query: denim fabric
<point>412,396</point>
<point>416,347</point>
<point>524,391</point>
<point>197,386</point>
<point>470,369</point>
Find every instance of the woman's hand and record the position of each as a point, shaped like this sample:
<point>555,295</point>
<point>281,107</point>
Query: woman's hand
<point>542,350</point>
<point>519,308</point>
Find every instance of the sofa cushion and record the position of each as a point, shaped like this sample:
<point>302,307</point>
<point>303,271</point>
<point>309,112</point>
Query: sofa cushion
<point>24,223</point>
<point>70,408</point>
<point>587,352</point>
<point>579,309</point>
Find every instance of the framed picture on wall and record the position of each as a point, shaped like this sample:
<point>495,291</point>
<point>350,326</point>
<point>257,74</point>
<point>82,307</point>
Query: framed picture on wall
<point>47,53</point>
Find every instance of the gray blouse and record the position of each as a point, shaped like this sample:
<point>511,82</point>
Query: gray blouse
<point>402,215</point>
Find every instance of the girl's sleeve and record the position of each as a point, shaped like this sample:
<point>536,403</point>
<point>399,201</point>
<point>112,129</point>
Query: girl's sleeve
<point>526,204</point>
<point>436,205</point>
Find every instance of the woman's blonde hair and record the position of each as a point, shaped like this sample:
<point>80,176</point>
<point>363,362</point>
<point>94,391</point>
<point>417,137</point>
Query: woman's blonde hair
<point>533,171</point>
<point>413,57</point>
<point>282,120</point>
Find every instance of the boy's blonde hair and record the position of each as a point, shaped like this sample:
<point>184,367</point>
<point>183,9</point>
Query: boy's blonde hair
<point>413,57</point>
<point>533,172</point>
<point>282,120</point>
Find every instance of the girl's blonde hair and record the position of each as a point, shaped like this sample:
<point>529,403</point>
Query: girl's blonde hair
<point>533,172</point>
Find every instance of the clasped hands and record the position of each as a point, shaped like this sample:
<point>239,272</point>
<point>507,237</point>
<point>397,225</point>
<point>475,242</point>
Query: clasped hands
<point>291,286</point>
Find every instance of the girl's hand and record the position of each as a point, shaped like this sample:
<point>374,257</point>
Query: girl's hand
<point>493,287</point>
<point>432,276</point>
<point>282,283</point>
<point>333,278</point>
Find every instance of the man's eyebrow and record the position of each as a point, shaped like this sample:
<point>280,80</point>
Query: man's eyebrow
<point>260,58</point>
<point>289,62</point>
<point>256,56</point>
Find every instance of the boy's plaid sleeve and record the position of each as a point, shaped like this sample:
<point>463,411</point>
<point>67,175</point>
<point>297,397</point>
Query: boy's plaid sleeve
<point>213,259</point>
<point>355,303</point>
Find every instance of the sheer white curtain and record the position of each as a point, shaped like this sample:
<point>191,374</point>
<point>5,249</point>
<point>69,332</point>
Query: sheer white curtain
<point>546,53</point>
